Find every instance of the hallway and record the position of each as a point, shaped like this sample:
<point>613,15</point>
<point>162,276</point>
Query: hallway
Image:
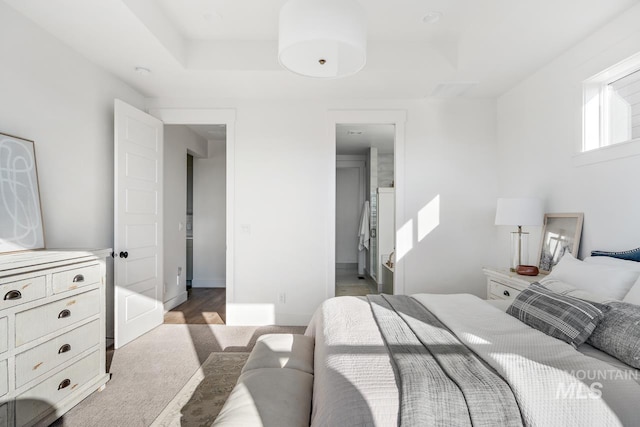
<point>347,283</point>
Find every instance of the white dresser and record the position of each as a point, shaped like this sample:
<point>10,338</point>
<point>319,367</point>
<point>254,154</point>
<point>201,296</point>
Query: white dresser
<point>52,333</point>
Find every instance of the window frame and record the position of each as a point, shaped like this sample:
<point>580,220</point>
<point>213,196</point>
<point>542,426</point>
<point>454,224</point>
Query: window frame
<point>596,124</point>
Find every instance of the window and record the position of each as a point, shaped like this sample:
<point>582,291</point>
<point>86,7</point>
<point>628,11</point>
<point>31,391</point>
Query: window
<point>612,106</point>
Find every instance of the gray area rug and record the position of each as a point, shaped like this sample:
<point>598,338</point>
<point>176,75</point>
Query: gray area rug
<point>200,400</point>
<point>147,373</point>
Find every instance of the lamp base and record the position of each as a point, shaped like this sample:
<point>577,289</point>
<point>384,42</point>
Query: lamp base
<point>519,250</point>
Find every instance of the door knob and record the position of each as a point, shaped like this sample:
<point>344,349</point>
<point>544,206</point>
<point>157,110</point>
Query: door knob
<point>124,254</point>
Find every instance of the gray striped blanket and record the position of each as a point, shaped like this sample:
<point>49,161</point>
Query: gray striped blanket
<point>441,381</point>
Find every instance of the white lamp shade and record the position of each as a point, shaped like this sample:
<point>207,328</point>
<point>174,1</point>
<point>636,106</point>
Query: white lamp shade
<point>519,211</point>
<point>322,38</point>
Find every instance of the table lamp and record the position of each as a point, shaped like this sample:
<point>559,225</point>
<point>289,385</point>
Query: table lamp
<point>519,212</point>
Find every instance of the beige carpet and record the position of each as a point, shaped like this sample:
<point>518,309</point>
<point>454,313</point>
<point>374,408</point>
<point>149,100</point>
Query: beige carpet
<point>149,372</point>
<point>200,400</point>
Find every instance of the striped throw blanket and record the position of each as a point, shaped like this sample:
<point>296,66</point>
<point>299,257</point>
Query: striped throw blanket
<point>441,381</point>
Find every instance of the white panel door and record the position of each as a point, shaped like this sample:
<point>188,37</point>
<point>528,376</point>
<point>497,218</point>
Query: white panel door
<point>138,223</point>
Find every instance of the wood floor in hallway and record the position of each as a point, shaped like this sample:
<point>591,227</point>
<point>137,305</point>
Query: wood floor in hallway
<point>348,283</point>
<point>204,306</point>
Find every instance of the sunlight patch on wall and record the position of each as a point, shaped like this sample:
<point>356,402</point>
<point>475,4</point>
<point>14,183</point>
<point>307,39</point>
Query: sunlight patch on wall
<point>428,218</point>
<point>404,240</point>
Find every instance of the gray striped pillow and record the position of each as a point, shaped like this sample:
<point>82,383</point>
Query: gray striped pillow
<point>569,319</point>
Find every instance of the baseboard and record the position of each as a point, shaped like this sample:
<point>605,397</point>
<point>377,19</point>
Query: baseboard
<point>175,301</point>
<point>209,283</point>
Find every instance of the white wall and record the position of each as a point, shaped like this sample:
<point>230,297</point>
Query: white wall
<point>282,187</point>
<point>539,130</point>
<point>55,97</point>
<point>385,170</point>
<point>178,139</point>
<point>209,218</point>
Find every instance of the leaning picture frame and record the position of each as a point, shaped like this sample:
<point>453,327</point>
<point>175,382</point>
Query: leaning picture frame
<point>560,234</point>
<point>21,226</point>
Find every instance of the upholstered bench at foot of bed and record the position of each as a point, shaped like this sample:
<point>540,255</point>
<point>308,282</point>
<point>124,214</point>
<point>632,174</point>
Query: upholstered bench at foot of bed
<point>275,386</point>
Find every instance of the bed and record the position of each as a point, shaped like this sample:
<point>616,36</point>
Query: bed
<point>469,362</point>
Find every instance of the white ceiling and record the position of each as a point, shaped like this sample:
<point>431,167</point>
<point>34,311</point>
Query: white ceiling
<point>357,139</point>
<point>228,48</point>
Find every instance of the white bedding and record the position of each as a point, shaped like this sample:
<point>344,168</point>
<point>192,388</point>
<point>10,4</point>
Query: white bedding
<point>585,349</point>
<point>355,383</point>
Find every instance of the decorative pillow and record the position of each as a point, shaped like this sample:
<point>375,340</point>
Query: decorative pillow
<point>566,318</point>
<point>619,333</point>
<point>598,279</point>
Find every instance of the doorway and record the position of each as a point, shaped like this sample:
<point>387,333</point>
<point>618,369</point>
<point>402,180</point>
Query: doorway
<point>195,171</point>
<point>365,208</point>
<point>139,177</point>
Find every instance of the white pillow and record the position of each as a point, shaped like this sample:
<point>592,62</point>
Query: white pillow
<point>563,288</point>
<point>633,296</point>
<point>613,262</point>
<point>598,279</point>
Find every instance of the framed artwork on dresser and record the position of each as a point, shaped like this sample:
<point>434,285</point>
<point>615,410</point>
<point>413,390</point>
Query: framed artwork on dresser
<point>20,212</point>
<point>560,234</point>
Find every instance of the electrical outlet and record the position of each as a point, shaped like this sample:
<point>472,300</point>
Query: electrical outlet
<point>282,298</point>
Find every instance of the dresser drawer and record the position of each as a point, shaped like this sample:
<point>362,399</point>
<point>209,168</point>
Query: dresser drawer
<point>501,291</point>
<point>4,377</point>
<point>21,291</point>
<point>72,279</point>
<point>4,334</point>
<point>40,321</point>
<point>36,401</point>
<point>53,353</point>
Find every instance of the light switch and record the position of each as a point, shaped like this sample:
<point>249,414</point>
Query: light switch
<point>245,228</point>
<point>180,226</point>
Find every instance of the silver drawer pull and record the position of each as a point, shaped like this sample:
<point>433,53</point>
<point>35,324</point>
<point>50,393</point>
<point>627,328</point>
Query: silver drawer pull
<point>65,348</point>
<point>64,313</point>
<point>12,295</point>
<point>506,294</point>
<point>64,384</point>
<point>78,278</point>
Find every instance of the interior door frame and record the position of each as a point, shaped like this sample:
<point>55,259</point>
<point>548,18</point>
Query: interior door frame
<point>217,116</point>
<point>389,117</point>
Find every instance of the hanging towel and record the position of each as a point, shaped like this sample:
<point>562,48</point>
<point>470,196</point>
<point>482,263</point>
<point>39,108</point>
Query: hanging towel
<point>363,231</point>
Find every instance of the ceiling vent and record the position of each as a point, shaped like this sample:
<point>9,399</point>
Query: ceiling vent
<point>452,89</point>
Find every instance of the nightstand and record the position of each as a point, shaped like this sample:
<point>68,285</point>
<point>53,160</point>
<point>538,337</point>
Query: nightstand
<point>505,284</point>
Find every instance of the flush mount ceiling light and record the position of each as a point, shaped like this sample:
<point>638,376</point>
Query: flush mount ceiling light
<point>322,38</point>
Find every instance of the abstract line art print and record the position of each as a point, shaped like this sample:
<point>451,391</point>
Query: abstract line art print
<point>20,215</point>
